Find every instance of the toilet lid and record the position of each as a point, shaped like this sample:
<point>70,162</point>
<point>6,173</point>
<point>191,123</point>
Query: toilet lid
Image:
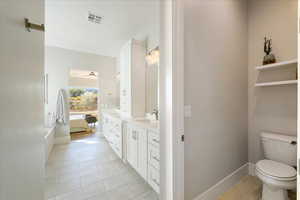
<point>276,169</point>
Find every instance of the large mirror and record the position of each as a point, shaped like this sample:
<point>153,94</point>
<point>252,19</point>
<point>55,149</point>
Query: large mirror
<point>152,81</point>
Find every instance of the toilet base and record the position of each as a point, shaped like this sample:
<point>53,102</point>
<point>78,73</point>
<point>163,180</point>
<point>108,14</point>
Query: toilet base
<point>270,193</point>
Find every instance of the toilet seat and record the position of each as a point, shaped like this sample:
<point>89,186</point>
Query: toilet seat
<point>276,170</point>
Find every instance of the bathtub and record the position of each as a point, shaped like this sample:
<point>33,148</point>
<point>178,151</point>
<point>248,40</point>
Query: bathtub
<point>49,142</point>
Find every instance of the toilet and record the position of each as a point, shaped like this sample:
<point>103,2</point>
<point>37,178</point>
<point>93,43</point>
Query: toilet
<point>277,170</point>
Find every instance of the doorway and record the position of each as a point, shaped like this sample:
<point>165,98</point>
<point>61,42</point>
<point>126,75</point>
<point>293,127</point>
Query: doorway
<point>83,103</point>
<point>30,128</point>
<point>108,43</point>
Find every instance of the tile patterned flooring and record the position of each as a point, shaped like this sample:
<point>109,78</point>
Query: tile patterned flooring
<point>248,188</point>
<point>88,169</point>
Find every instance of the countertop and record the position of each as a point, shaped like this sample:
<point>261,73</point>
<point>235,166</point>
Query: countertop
<point>145,123</point>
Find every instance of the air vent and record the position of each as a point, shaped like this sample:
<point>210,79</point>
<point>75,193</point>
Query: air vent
<point>94,18</point>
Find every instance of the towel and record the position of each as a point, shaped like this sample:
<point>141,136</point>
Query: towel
<point>61,107</point>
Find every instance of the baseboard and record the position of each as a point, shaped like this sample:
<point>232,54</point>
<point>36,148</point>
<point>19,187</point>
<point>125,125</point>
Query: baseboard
<point>252,169</point>
<point>226,183</point>
<point>62,140</point>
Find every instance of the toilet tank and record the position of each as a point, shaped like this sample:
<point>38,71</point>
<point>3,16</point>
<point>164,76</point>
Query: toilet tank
<point>280,148</point>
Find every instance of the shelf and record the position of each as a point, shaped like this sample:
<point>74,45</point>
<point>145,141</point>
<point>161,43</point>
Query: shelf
<point>289,82</point>
<point>277,65</point>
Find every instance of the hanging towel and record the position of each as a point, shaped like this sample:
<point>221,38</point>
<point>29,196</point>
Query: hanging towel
<point>61,107</point>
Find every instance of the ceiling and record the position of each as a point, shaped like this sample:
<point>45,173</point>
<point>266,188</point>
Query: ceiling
<point>67,24</point>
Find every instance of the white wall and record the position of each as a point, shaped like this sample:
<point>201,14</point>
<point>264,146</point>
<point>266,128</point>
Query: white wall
<point>166,103</point>
<point>216,88</point>
<point>272,108</point>
<point>151,30</point>
<point>60,61</point>
<point>150,34</point>
<point>21,120</point>
<point>83,82</point>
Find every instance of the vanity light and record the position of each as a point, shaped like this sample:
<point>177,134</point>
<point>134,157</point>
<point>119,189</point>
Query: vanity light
<point>153,56</point>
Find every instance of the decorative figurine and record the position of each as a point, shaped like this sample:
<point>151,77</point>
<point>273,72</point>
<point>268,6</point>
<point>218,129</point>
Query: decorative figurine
<point>269,58</point>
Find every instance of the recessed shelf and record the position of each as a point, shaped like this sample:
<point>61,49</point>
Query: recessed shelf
<point>265,84</point>
<point>277,65</point>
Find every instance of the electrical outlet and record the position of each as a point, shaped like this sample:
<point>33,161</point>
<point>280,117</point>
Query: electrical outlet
<point>188,111</point>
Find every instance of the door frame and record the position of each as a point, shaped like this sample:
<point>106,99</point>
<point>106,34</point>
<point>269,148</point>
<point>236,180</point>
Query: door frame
<point>171,103</point>
<point>298,108</point>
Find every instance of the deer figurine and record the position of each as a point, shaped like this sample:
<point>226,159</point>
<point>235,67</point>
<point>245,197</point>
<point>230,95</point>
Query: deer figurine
<point>269,58</point>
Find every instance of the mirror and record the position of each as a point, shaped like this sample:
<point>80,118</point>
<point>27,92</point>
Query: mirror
<point>152,81</point>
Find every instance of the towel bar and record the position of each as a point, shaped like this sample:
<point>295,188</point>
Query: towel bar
<point>30,26</point>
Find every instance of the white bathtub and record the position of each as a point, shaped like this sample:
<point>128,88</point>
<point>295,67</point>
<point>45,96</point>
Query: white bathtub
<point>49,141</point>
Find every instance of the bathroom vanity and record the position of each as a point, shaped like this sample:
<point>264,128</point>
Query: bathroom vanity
<point>129,131</point>
<point>136,142</point>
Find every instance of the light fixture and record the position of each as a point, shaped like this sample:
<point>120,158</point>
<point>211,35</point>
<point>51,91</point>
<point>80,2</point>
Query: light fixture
<point>92,74</point>
<point>153,56</point>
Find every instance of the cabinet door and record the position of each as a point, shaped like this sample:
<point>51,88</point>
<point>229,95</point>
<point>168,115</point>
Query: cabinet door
<point>132,147</point>
<point>105,127</point>
<point>125,65</point>
<point>143,153</point>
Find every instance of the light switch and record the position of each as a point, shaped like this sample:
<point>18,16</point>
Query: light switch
<point>188,111</point>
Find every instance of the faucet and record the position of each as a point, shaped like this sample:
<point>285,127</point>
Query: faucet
<point>155,112</point>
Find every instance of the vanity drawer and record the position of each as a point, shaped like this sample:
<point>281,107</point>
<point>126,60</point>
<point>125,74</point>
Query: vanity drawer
<point>117,126</point>
<point>154,178</point>
<point>154,156</point>
<point>137,130</point>
<point>153,138</point>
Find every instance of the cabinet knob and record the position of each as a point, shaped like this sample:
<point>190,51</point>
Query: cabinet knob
<point>134,135</point>
<point>155,158</point>
<point>155,181</point>
<point>155,140</point>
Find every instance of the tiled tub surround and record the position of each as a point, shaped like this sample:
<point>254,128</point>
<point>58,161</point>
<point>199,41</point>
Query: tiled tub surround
<point>49,141</point>
<point>88,169</point>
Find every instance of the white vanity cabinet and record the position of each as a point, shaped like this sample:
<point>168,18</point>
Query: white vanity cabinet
<point>132,79</point>
<point>132,147</point>
<point>106,127</point>
<point>154,160</point>
<point>137,149</point>
<point>112,130</point>
<point>143,153</point>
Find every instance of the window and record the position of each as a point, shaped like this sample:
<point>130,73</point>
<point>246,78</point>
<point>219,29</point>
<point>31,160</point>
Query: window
<point>83,99</point>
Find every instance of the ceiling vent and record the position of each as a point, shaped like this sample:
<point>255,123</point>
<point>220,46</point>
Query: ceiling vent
<point>94,18</point>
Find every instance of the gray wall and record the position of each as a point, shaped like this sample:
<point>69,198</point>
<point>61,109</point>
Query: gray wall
<point>21,121</point>
<point>272,108</point>
<point>216,88</point>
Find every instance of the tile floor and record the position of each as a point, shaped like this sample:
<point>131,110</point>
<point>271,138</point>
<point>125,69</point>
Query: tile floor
<point>248,188</point>
<point>88,169</point>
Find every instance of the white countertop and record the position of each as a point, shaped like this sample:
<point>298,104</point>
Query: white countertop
<point>145,123</point>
